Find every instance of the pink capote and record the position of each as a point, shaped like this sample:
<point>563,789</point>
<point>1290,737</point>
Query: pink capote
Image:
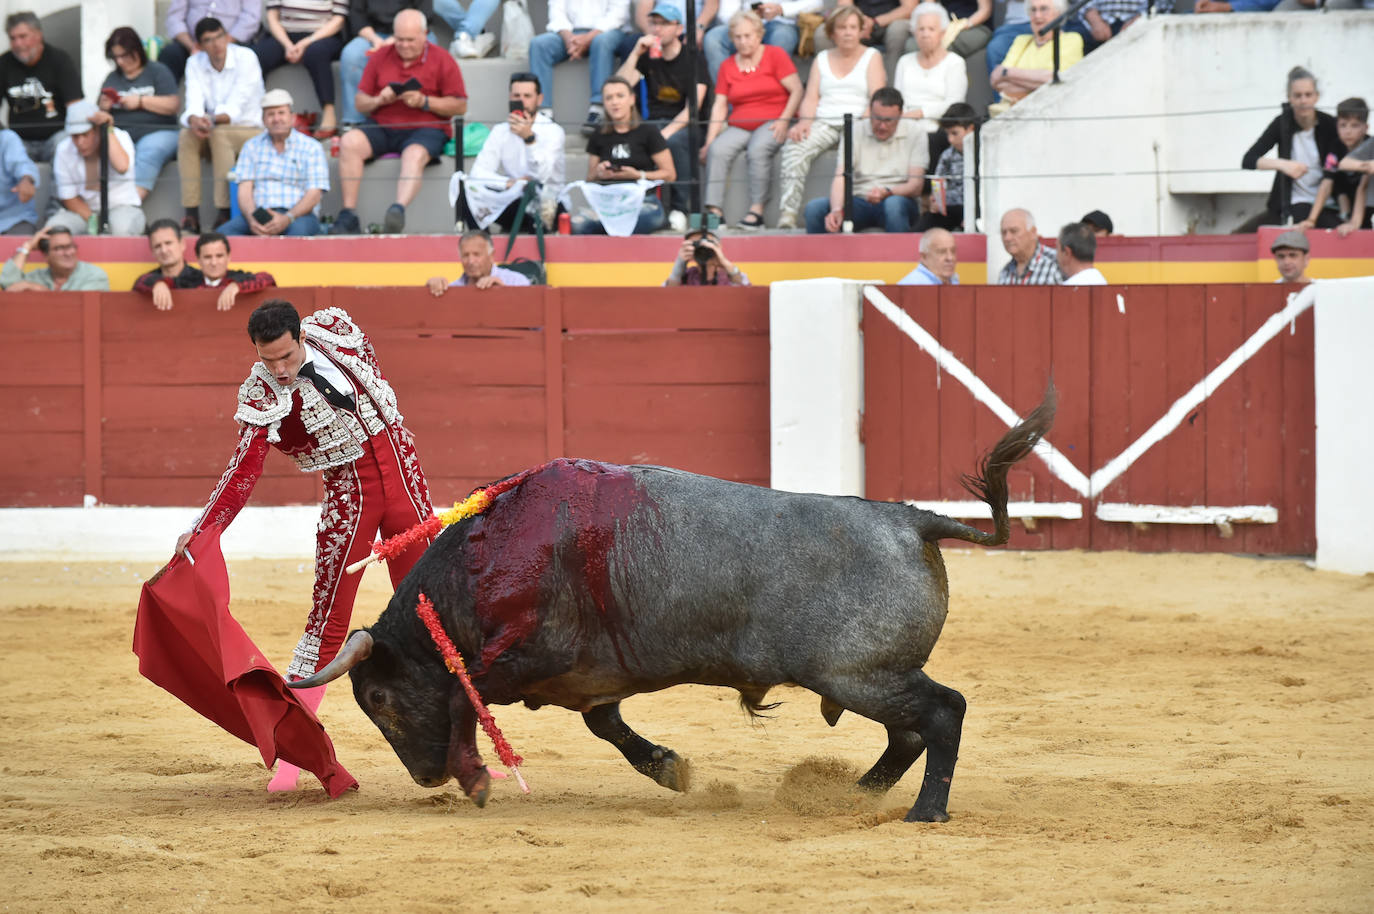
<point>189,644</point>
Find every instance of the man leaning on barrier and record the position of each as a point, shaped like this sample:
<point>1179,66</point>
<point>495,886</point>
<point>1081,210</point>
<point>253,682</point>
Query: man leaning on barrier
<point>65,272</point>
<point>479,271</point>
<point>1032,263</point>
<point>1076,252</point>
<point>939,260</point>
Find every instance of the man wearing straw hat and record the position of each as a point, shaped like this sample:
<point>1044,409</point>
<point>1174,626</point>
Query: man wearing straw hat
<point>317,394</point>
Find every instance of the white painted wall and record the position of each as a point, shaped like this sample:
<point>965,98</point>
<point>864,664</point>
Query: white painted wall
<point>1098,140</point>
<point>816,386</point>
<point>149,534</point>
<point>1345,425</point>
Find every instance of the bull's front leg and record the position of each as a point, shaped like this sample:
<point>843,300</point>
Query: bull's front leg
<point>660,763</point>
<point>463,759</point>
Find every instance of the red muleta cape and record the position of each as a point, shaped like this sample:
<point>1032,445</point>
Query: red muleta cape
<point>189,644</point>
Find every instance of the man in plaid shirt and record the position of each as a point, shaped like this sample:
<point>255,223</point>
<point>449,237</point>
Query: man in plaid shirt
<point>282,174</point>
<point>1106,18</point>
<point>1032,264</point>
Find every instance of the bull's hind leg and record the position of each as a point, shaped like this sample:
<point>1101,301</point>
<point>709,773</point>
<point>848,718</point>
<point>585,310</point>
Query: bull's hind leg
<point>939,719</point>
<point>923,713</point>
<point>660,763</point>
<point>903,748</point>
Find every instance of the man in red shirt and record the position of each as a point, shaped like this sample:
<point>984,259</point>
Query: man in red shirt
<point>409,91</point>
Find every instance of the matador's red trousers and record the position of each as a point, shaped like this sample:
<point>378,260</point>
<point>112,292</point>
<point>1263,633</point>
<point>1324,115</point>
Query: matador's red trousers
<point>383,490</point>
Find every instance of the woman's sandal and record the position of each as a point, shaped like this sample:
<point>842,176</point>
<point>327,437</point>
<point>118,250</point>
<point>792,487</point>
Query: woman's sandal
<point>750,222</point>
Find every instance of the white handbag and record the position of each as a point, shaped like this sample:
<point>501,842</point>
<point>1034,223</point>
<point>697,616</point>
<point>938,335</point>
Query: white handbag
<point>517,31</point>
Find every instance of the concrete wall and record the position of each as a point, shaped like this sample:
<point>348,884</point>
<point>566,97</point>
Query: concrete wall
<point>1345,426</point>
<point>1098,140</point>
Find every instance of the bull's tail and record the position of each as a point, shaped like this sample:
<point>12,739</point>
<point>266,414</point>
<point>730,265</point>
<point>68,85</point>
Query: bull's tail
<point>990,482</point>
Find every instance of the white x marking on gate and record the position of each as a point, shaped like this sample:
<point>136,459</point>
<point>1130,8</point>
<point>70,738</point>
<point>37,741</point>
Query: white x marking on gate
<point>1110,471</point>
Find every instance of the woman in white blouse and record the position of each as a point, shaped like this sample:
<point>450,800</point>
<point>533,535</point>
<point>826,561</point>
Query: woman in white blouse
<point>930,78</point>
<point>842,79</point>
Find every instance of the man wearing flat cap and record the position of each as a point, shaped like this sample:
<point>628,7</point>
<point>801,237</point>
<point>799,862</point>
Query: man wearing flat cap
<point>282,175</point>
<point>1291,253</point>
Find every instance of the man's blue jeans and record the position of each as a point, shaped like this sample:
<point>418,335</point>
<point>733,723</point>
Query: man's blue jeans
<point>895,214</point>
<point>472,20</point>
<point>303,226</point>
<point>547,49</point>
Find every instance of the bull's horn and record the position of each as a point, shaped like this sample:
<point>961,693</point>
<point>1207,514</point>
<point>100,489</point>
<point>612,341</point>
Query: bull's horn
<point>356,649</point>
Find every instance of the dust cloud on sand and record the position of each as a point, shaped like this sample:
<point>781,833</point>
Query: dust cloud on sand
<point>1145,732</point>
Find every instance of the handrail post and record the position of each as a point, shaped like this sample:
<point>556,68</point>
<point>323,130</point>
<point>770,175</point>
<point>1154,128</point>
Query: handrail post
<point>694,195</point>
<point>848,173</point>
<point>103,219</point>
<point>976,224</point>
<point>456,124</point>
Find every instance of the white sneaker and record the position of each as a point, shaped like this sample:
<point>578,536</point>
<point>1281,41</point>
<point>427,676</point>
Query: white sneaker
<point>463,46</point>
<point>677,221</point>
<point>483,44</point>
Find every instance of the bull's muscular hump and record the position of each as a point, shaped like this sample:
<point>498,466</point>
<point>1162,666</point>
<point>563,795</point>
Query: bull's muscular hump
<point>583,583</point>
<point>554,533</point>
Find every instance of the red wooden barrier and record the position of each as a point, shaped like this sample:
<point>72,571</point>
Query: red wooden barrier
<point>1119,366</point>
<point>105,396</point>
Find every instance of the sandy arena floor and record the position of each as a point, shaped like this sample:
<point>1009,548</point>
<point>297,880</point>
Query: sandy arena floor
<point>1145,733</point>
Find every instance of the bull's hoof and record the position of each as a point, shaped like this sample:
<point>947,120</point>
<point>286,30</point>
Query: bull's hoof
<point>668,769</point>
<point>480,789</point>
<point>927,815</point>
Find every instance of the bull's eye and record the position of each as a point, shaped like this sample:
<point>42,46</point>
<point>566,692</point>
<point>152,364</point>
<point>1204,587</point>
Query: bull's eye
<point>377,697</point>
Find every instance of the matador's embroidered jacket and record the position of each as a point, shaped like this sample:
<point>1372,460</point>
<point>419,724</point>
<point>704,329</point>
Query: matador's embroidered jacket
<point>300,422</point>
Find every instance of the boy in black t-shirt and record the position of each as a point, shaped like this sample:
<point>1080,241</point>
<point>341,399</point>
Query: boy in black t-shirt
<point>39,82</point>
<point>659,60</point>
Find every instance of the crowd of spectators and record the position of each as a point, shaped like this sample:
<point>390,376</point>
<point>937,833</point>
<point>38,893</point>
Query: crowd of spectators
<point>895,66</point>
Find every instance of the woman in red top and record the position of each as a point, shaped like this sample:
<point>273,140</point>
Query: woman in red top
<point>759,90</point>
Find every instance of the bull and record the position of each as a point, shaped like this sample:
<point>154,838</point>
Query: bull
<point>587,583</point>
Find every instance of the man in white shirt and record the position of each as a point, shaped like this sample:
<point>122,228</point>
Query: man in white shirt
<point>598,30</point>
<point>1077,248</point>
<point>76,174</point>
<point>939,260</point>
<point>223,111</point>
<point>528,146</point>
